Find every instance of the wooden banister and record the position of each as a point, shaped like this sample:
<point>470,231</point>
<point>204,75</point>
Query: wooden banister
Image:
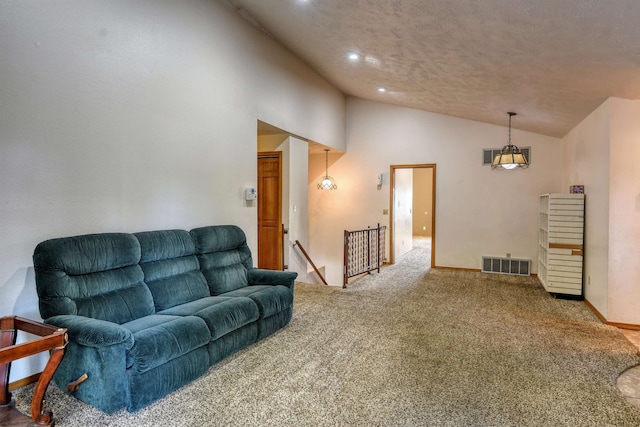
<point>306,255</point>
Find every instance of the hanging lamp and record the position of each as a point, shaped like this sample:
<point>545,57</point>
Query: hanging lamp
<point>510,157</point>
<point>327,182</point>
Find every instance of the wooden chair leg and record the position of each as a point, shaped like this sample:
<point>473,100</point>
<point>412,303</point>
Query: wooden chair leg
<point>38,414</point>
<point>7,339</point>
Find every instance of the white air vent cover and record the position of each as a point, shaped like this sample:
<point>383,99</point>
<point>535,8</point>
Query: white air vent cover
<point>520,267</point>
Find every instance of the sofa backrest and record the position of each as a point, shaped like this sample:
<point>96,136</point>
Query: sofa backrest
<point>171,269</point>
<point>224,257</point>
<point>95,275</point>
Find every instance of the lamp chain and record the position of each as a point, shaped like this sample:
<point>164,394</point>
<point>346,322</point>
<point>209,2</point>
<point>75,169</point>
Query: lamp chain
<point>511,114</point>
<point>326,163</point>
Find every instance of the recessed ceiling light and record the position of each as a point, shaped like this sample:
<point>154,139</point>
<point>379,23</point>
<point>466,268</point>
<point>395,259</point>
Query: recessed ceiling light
<point>382,89</point>
<point>354,56</point>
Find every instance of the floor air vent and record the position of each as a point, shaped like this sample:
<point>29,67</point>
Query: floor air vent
<point>520,267</point>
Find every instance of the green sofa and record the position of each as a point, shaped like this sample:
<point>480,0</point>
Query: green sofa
<point>149,312</point>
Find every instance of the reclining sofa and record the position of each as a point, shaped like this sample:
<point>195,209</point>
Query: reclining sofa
<point>147,313</point>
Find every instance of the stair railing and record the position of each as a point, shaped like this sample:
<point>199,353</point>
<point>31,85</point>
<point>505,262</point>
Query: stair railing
<point>306,255</point>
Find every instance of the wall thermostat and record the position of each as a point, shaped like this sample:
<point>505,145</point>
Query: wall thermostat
<point>250,193</point>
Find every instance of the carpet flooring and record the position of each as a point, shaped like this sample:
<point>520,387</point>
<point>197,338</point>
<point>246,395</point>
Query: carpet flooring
<point>406,347</point>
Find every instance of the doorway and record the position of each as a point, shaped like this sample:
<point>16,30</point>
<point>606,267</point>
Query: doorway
<point>412,209</point>
<point>270,247</point>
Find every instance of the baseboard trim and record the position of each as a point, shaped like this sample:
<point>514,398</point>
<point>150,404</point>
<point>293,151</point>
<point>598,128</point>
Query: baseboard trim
<point>24,381</point>
<point>606,322</point>
<point>625,326</point>
<point>595,311</point>
<point>440,267</point>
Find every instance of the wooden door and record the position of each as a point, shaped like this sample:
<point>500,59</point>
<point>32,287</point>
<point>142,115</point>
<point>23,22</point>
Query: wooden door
<point>270,210</point>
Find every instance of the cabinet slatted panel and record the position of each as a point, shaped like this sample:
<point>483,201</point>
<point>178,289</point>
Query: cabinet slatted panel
<point>560,249</point>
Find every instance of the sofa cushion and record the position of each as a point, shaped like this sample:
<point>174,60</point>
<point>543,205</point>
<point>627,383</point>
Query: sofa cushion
<point>224,257</point>
<point>171,269</point>
<point>155,383</point>
<point>268,325</point>
<point>95,275</point>
<point>269,299</point>
<point>232,342</point>
<point>223,278</point>
<point>116,306</point>
<point>221,314</point>
<point>159,339</point>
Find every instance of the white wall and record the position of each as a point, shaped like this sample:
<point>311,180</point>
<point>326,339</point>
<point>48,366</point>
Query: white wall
<point>601,153</point>
<point>478,211</point>
<point>624,213</point>
<point>586,162</point>
<point>131,116</point>
<point>325,246</point>
<point>298,208</point>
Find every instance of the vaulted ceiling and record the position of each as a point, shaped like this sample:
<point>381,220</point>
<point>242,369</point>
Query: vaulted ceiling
<point>551,61</point>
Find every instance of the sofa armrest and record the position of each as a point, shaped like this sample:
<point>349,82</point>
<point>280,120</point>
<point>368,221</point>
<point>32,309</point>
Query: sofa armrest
<point>258,276</point>
<point>93,332</point>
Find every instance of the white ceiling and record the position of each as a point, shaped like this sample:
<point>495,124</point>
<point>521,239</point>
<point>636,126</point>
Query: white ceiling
<point>551,61</point>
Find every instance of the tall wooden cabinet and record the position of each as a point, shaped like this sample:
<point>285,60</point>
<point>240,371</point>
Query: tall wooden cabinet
<point>561,249</point>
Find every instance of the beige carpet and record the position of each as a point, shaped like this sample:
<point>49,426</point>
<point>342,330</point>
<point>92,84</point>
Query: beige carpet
<point>406,347</point>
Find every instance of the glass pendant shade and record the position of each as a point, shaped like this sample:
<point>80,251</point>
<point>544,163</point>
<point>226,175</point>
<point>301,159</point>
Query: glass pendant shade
<point>327,182</point>
<point>510,157</point>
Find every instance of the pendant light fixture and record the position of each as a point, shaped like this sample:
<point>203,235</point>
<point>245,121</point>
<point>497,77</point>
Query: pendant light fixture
<point>510,157</point>
<point>327,182</point>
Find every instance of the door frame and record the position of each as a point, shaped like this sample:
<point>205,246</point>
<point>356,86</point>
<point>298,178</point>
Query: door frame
<point>392,186</point>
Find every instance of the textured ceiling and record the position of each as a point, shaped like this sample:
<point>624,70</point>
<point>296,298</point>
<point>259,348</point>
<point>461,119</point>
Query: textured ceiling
<point>551,61</point>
